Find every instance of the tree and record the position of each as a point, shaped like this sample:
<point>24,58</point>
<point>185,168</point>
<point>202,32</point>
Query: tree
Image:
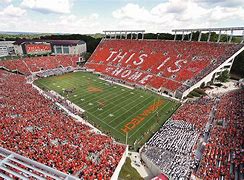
<point>238,65</point>
<point>202,85</point>
<point>85,55</point>
<point>224,76</point>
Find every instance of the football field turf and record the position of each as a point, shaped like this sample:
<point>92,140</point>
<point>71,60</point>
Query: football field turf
<point>114,109</point>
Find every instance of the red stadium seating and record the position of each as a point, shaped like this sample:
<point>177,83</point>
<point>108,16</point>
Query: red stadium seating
<point>196,112</point>
<point>223,155</point>
<point>166,64</point>
<point>33,127</point>
<point>217,120</point>
<point>35,64</point>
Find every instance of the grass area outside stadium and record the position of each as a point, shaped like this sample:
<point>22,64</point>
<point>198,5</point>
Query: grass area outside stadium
<point>117,111</point>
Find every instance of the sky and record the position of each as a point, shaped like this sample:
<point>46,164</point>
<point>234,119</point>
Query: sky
<point>94,16</point>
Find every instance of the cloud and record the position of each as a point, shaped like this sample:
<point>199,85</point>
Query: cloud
<point>162,17</point>
<point>221,13</point>
<point>5,1</point>
<point>62,24</point>
<point>12,11</point>
<point>48,6</point>
<point>177,14</point>
<point>222,3</point>
<point>76,24</point>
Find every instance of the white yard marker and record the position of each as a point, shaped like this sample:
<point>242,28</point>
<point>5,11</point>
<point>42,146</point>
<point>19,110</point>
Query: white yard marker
<point>90,104</point>
<point>82,99</point>
<point>75,95</point>
<point>111,115</point>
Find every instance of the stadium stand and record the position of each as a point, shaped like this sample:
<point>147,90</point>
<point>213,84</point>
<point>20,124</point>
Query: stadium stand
<point>36,64</point>
<point>34,127</point>
<point>196,113</point>
<point>167,66</point>
<point>170,149</point>
<point>223,154</point>
<point>213,126</point>
<point>175,141</point>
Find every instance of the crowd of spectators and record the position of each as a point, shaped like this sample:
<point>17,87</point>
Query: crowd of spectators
<point>55,72</point>
<point>173,65</point>
<point>29,65</point>
<point>223,156</point>
<point>212,127</point>
<point>34,127</point>
<point>195,112</point>
<point>170,149</point>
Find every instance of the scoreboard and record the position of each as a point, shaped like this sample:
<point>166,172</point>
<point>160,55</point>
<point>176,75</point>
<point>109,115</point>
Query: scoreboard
<point>38,48</point>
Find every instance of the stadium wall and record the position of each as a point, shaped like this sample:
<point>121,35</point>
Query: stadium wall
<point>155,170</point>
<point>214,73</point>
<point>120,165</point>
<point>18,49</point>
<point>78,49</point>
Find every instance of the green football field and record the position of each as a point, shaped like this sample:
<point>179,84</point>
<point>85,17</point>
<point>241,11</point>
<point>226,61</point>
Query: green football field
<point>116,110</point>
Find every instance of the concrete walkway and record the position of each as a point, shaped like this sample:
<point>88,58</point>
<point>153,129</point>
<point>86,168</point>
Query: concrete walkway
<point>141,168</point>
<point>228,86</point>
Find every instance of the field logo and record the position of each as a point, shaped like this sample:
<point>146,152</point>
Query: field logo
<point>93,89</point>
<point>138,119</point>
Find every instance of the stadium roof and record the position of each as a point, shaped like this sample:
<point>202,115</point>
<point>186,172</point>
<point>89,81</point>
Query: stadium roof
<point>53,42</point>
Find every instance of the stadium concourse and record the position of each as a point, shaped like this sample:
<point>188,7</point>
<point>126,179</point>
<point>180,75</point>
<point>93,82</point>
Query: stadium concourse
<point>203,139</point>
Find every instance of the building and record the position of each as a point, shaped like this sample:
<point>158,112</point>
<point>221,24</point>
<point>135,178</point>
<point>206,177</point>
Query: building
<point>6,48</point>
<point>68,46</point>
<point>55,47</point>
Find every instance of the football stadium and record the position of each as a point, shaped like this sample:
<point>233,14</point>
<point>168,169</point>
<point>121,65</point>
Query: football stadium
<point>136,108</point>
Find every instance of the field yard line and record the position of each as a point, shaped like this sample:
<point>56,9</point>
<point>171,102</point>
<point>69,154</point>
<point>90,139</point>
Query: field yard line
<point>125,97</point>
<point>147,121</point>
<point>72,100</point>
<point>96,118</point>
<point>124,108</point>
<point>132,114</point>
<point>88,94</point>
<point>109,94</point>
<point>70,79</point>
<point>44,85</point>
<point>96,97</point>
<point>105,123</point>
<point>113,97</point>
<point>74,80</point>
<point>105,89</point>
